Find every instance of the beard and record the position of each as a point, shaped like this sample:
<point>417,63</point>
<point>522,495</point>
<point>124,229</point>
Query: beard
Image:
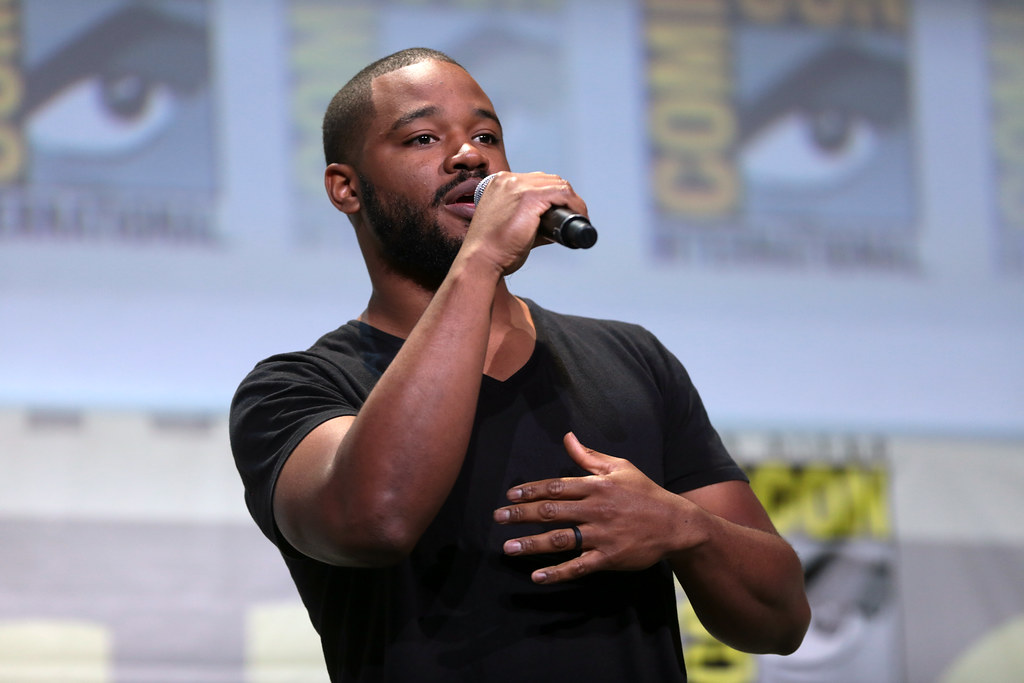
<point>413,243</point>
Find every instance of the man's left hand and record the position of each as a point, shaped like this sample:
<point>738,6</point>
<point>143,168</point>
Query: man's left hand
<point>625,521</point>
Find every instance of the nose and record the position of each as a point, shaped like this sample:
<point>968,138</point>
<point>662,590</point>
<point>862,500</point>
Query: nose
<point>468,157</point>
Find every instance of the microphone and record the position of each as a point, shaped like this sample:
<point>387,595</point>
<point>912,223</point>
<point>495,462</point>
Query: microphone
<point>558,223</point>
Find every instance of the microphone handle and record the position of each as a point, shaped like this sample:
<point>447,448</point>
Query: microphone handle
<point>567,228</point>
<point>557,223</point>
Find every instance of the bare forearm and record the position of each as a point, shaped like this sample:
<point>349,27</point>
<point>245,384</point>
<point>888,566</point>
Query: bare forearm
<point>396,463</point>
<point>405,449</point>
<point>744,580</point>
<point>361,491</point>
<point>746,586</point>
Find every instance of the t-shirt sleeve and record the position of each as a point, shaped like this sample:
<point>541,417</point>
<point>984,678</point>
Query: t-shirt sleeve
<point>280,402</point>
<point>694,453</point>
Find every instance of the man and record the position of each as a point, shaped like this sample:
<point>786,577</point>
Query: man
<point>465,486</point>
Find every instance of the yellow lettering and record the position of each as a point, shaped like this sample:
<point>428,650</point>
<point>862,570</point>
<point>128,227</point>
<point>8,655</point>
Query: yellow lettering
<point>827,13</point>
<point>774,485</point>
<point>765,11</point>
<point>692,9</point>
<point>689,59</point>
<point>1011,199</point>
<point>895,13</point>
<point>1007,63</point>
<point>707,659</point>
<point>9,45</point>
<point>823,501</point>
<point>701,185</point>
<point>12,154</point>
<point>823,12</point>
<point>10,89</point>
<point>820,511</point>
<point>327,38</point>
<point>869,489</point>
<point>692,124</point>
<point>12,145</point>
<point>1010,138</point>
<point>1007,17</point>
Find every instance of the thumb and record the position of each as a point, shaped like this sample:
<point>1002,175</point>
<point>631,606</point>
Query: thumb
<point>587,458</point>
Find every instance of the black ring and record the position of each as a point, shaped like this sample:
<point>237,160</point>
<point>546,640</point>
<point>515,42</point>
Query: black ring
<point>579,537</point>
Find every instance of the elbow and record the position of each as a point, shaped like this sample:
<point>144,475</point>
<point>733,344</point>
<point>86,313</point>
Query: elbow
<point>372,541</point>
<point>376,542</point>
<point>799,629</point>
<point>362,556</point>
<point>789,642</point>
<point>792,618</point>
<point>337,537</point>
<point>789,638</point>
<point>782,641</point>
<point>777,633</point>
<point>800,621</point>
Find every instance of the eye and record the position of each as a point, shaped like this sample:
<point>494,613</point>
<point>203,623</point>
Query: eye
<point>811,147</point>
<point>422,139</point>
<point>99,115</point>
<point>488,138</point>
<point>808,128</point>
<point>84,100</point>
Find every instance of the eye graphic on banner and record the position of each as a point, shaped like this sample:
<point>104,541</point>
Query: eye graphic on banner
<point>115,112</point>
<point>116,86</point>
<point>102,117</point>
<point>829,496</point>
<point>822,123</point>
<point>781,137</point>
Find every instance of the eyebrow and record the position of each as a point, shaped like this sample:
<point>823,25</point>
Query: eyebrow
<point>431,110</point>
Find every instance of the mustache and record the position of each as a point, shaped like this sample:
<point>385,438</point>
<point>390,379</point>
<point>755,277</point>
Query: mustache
<point>463,176</point>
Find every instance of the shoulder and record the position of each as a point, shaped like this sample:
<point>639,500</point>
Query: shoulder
<point>336,373</point>
<point>597,346</point>
<point>589,328</point>
<point>351,348</point>
<point>600,335</point>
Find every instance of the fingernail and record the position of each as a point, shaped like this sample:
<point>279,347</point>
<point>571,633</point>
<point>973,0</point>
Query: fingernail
<point>515,494</point>
<point>513,547</point>
<point>501,515</point>
<point>540,577</point>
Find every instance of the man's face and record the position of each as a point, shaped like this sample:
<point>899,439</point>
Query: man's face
<point>412,241</point>
<point>434,135</point>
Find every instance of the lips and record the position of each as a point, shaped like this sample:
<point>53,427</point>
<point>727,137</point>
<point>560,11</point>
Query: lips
<point>459,199</point>
<point>462,193</point>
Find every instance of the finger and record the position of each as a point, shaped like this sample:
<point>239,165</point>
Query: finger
<point>587,458</point>
<point>563,488</point>
<point>545,511</point>
<point>572,569</point>
<point>556,541</point>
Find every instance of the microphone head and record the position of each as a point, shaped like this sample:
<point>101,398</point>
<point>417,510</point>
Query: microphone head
<point>479,192</point>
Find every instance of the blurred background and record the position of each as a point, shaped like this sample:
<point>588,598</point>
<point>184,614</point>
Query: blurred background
<point>818,205</point>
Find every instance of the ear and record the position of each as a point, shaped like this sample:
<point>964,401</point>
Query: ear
<point>341,183</point>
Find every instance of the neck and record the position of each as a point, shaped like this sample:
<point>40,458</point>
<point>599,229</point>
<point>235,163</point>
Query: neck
<point>511,338</point>
<point>395,306</point>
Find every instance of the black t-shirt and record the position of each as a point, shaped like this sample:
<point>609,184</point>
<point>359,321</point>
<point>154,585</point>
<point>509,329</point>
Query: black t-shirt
<point>458,609</point>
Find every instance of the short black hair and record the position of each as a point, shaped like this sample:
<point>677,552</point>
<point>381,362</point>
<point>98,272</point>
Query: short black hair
<point>351,108</point>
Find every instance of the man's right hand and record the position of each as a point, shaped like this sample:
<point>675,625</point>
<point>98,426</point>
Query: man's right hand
<point>505,225</point>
